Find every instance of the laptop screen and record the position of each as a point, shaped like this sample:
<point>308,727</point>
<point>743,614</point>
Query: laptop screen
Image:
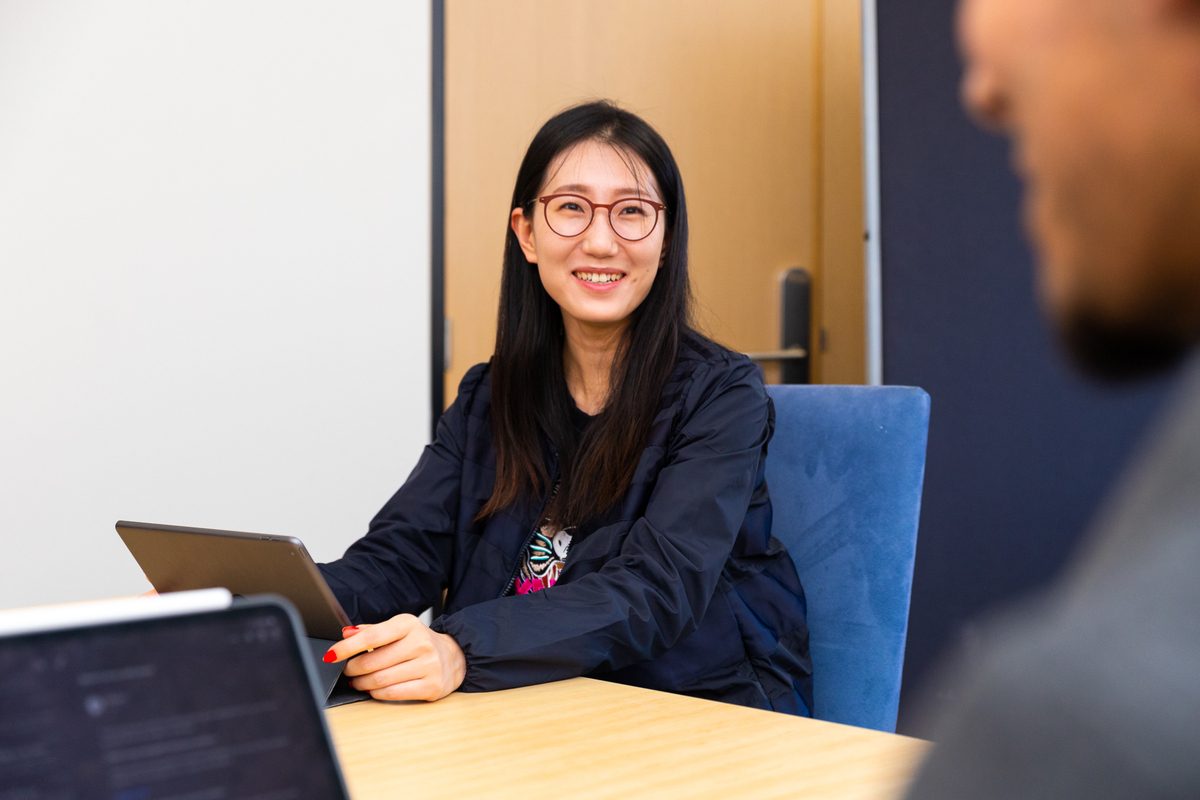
<point>208,705</point>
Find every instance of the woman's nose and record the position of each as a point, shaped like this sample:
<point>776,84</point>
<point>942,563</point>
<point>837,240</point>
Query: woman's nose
<point>599,239</point>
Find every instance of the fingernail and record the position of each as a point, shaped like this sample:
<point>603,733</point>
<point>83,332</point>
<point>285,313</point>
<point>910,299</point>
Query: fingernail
<point>349,630</point>
<point>329,656</point>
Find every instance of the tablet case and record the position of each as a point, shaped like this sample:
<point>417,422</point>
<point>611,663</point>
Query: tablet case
<point>176,558</point>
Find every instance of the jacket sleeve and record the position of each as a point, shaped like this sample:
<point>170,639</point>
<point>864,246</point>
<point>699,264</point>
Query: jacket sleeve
<point>400,565</point>
<point>658,587</point>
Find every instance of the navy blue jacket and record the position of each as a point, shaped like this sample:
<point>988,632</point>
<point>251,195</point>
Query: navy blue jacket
<point>680,587</point>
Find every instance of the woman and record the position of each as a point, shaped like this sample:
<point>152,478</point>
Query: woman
<point>593,502</point>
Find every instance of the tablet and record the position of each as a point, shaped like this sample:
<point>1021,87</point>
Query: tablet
<point>175,558</point>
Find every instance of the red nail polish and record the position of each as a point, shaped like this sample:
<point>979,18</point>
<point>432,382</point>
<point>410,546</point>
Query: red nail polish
<point>329,656</point>
<point>349,630</point>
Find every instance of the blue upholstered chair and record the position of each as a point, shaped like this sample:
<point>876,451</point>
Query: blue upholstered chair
<point>845,470</point>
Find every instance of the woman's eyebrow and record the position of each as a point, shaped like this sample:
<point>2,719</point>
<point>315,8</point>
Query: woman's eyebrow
<point>579,188</point>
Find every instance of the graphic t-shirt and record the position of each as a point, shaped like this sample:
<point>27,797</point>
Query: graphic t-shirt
<point>543,560</point>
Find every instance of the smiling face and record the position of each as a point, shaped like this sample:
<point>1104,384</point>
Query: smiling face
<point>1101,99</point>
<point>597,278</point>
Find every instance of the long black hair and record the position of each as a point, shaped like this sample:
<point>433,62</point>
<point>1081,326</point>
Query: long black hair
<point>531,406</point>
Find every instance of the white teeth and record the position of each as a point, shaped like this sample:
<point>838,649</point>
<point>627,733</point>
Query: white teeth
<point>599,277</point>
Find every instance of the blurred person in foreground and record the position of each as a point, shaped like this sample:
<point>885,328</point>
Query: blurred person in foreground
<point>1092,690</point>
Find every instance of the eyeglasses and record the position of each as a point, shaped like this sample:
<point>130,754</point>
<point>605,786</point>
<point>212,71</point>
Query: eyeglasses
<point>631,218</point>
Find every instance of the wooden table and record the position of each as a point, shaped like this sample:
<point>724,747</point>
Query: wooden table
<point>586,738</point>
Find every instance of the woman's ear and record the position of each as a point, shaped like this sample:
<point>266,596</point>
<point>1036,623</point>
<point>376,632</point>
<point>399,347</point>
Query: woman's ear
<point>523,228</point>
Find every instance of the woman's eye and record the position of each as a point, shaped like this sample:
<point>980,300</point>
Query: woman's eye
<point>570,205</point>
<point>633,211</point>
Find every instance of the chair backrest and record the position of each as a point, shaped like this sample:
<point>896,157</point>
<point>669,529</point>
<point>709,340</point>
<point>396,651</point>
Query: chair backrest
<point>844,471</point>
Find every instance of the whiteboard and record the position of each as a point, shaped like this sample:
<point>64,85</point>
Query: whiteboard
<point>214,248</point>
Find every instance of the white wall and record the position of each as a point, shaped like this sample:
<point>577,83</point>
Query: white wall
<point>214,283</point>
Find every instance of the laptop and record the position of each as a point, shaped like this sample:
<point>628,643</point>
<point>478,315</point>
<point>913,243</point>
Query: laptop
<point>191,695</point>
<point>177,558</point>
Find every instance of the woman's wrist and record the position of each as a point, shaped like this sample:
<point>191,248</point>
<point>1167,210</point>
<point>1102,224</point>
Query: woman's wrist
<point>454,661</point>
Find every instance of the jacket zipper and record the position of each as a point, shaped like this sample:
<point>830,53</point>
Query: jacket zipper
<point>537,524</point>
<point>512,579</point>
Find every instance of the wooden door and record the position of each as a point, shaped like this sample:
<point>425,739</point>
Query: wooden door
<point>760,101</point>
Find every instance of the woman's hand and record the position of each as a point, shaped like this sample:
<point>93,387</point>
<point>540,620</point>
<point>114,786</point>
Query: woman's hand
<point>400,659</point>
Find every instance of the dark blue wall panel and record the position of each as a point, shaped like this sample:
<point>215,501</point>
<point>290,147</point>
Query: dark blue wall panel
<point>1021,447</point>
